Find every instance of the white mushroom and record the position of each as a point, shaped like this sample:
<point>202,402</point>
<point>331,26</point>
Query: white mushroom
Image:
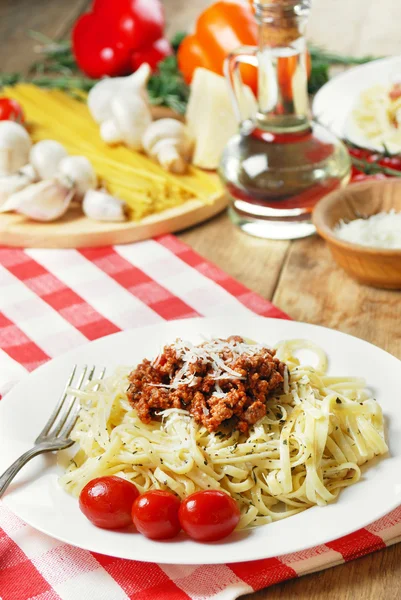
<point>130,118</point>
<point>44,201</point>
<point>80,172</point>
<point>9,184</point>
<point>168,141</point>
<point>15,144</point>
<point>101,206</point>
<point>101,95</point>
<point>45,156</point>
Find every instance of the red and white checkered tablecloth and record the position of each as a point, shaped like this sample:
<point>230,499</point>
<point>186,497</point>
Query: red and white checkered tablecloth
<point>53,300</point>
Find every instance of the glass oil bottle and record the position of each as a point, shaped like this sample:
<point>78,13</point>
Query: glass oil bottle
<point>280,163</point>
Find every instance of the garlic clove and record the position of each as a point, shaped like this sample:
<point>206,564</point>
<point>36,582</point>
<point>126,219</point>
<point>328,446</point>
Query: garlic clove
<point>9,184</point>
<point>131,117</point>
<point>101,95</point>
<point>15,145</point>
<point>45,156</point>
<point>101,206</point>
<point>110,132</point>
<point>80,172</point>
<point>137,82</point>
<point>44,201</point>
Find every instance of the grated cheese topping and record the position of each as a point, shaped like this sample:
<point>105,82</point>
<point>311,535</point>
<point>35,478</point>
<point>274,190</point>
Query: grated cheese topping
<point>382,230</point>
<point>219,353</point>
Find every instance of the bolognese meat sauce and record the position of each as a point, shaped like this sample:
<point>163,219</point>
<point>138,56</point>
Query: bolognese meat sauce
<point>219,382</point>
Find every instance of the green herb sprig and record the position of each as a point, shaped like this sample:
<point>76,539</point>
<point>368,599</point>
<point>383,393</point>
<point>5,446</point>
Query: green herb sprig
<point>322,60</point>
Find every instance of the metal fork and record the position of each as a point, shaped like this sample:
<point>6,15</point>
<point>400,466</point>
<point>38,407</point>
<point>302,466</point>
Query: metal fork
<point>54,435</point>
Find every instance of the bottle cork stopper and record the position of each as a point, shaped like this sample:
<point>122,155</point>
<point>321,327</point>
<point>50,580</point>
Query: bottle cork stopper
<point>281,25</point>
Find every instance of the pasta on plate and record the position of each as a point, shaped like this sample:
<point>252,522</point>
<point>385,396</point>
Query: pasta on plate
<point>316,433</point>
<point>376,118</point>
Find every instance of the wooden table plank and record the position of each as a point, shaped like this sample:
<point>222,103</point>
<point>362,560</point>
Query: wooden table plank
<point>313,289</point>
<point>374,577</point>
<point>17,17</point>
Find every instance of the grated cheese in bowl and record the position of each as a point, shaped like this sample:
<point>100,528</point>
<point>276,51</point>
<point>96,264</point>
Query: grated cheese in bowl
<point>382,230</point>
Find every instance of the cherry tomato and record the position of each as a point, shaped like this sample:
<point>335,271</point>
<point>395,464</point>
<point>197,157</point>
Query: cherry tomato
<point>11,110</point>
<point>365,177</point>
<point>107,502</point>
<point>209,516</point>
<point>362,153</point>
<point>155,514</point>
<point>392,162</point>
<point>152,54</point>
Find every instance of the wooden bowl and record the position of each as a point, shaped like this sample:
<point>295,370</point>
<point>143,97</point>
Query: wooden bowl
<point>373,266</point>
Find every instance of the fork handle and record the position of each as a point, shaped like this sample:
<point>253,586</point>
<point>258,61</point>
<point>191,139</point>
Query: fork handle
<point>8,475</point>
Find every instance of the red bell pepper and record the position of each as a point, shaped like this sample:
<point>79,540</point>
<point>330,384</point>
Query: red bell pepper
<point>106,40</point>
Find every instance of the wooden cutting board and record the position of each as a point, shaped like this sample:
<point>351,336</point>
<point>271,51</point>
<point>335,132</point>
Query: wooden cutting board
<point>74,230</point>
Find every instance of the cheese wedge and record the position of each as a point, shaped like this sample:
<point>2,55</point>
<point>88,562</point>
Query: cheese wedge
<point>210,116</point>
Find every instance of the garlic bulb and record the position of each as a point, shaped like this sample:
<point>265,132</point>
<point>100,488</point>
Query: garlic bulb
<point>121,106</point>
<point>9,184</point>
<point>15,144</point>
<point>80,172</point>
<point>131,117</point>
<point>168,141</point>
<point>101,206</point>
<point>101,95</point>
<point>44,201</point>
<point>45,157</point>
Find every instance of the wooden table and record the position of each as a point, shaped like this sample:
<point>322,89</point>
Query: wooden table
<point>300,277</point>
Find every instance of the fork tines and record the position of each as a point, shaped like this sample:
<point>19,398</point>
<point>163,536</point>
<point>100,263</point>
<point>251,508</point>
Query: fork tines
<point>65,413</point>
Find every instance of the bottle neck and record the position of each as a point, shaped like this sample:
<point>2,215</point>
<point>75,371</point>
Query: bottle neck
<point>282,80</point>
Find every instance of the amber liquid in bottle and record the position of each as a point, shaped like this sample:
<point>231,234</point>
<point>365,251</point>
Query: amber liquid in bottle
<point>280,164</point>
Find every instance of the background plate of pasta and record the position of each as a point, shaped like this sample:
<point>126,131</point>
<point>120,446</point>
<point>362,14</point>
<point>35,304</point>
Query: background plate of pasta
<point>363,105</point>
<point>299,425</point>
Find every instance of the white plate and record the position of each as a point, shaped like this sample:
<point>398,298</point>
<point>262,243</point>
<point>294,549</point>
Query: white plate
<point>334,102</point>
<point>36,497</point>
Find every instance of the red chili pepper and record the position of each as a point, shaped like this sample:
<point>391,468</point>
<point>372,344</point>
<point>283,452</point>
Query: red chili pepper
<point>105,39</point>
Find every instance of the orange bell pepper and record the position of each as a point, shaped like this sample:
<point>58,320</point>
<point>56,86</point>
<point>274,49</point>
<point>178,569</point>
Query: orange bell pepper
<point>220,29</point>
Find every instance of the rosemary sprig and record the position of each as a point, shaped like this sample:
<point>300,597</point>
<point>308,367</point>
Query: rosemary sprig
<point>167,86</point>
<point>332,58</point>
<point>322,60</point>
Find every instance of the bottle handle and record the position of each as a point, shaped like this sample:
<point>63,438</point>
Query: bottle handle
<point>247,55</point>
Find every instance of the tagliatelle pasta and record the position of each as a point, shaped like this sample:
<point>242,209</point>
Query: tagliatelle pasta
<point>310,445</point>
